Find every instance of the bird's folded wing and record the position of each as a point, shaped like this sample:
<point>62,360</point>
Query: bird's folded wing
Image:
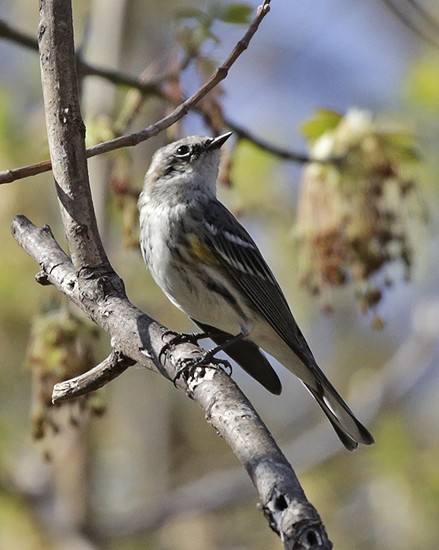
<point>241,259</point>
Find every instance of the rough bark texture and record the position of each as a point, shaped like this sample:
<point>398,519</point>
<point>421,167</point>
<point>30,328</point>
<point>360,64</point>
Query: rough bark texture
<point>135,335</point>
<point>65,133</point>
<point>88,279</point>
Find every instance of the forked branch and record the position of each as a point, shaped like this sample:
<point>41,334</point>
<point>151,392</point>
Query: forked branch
<point>88,279</point>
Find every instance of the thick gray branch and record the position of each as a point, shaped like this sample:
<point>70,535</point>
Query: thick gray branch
<point>90,282</point>
<point>66,132</point>
<point>135,335</point>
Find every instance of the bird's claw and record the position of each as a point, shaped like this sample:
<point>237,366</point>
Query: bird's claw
<point>178,338</point>
<point>187,366</point>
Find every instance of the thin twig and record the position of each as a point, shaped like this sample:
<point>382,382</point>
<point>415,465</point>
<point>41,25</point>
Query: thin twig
<point>136,335</point>
<point>149,87</point>
<point>8,176</point>
<point>405,19</point>
<point>19,37</point>
<point>280,152</point>
<point>111,367</point>
<point>89,280</point>
<point>182,110</point>
<point>135,138</point>
<point>84,68</point>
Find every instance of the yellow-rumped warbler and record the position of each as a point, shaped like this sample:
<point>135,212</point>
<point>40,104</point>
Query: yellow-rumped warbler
<point>209,267</point>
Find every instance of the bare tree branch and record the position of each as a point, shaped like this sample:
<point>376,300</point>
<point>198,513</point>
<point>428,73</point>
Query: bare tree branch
<point>13,174</point>
<point>280,152</point>
<point>84,68</point>
<point>418,20</point>
<point>386,389</point>
<point>111,367</point>
<point>136,335</point>
<point>66,137</point>
<point>89,281</point>
<point>14,35</point>
<point>178,113</point>
<point>151,87</point>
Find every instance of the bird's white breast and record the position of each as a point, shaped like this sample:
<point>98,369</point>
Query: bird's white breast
<point>178,280</point>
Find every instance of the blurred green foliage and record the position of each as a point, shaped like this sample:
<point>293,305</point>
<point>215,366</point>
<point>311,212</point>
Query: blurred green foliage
<point>153,440</point>
<point>19,530</point>
<point>423,82</point>
<point>323,120</point>
<point>193,35</point>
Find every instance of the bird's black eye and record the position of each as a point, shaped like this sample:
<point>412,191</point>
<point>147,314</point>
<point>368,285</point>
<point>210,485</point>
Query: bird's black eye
<point>183,151</point>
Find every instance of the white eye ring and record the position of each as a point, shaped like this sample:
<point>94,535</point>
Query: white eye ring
<point>183,151</point>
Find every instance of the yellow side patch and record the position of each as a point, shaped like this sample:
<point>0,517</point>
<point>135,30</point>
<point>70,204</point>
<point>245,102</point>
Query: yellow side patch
<point>198,250</point>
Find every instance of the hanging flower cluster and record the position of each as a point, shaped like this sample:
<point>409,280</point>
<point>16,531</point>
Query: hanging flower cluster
<point>357,199</point>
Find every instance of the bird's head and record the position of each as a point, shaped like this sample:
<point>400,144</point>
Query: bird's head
<point>191,162</point>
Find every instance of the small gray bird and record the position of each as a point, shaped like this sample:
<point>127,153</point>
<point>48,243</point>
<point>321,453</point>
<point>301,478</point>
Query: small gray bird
<point>209,267</point>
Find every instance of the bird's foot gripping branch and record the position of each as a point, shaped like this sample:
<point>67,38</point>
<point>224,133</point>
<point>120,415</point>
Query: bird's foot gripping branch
<point>139,338</point>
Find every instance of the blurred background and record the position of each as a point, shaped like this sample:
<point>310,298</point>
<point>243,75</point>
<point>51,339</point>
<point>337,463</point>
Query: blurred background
<point>136,466</point>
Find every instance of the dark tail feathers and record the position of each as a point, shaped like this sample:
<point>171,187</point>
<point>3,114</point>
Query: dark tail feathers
<point>350,431</point>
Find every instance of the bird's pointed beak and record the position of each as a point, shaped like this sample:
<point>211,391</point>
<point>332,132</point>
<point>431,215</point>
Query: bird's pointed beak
<point>217,142</point>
